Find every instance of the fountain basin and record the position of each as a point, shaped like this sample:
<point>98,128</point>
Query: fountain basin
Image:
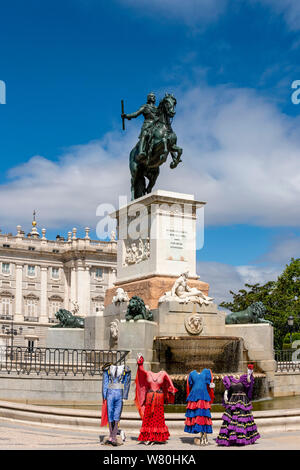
<point>179,355</point>
<point>182,354</point>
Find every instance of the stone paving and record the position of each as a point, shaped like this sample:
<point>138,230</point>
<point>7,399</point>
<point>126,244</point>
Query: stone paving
<point>19,436</point>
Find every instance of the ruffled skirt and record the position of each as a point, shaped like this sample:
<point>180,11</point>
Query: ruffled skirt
<point>153,425</point>
<point>238,427</point>
<point>198,417</point>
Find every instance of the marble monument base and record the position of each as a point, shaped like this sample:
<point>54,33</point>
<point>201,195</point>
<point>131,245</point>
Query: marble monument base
<point>65,338</point>
<point>173,319</point>
<point>151,288</point>
<point>259,344</point>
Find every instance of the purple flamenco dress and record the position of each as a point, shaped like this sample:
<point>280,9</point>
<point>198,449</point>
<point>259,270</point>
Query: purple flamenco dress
<point>238,427</point>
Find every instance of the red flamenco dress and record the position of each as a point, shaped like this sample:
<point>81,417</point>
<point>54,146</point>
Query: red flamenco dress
<point>152,391</point>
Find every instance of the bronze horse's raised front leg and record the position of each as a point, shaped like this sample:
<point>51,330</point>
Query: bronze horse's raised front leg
<point>175,158</point>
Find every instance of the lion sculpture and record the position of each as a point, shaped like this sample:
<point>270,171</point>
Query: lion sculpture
<point>252,314</point>
<point>137,310</point>
<point>68,320</point>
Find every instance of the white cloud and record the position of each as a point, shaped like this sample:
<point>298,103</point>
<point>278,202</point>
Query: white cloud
<point>221,279</point>
<point>67,191</point>
<point>224,278</point>
<point>254,274</point>
<point>240,154</point>
<point>283,250</point>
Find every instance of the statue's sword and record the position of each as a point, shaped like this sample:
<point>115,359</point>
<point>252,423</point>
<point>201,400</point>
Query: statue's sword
<point>123,119</point>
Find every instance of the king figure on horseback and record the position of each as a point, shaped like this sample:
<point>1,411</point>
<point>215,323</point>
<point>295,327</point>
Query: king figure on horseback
<point>156,140</point>
<point>149,111</point>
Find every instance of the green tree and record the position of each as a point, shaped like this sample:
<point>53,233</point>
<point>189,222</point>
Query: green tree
<point>281,299</point>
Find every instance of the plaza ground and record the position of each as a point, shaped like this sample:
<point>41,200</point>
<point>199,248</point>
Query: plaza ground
<point>20,436</point>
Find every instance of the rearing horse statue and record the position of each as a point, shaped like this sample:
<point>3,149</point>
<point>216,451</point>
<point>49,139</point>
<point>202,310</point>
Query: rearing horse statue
<point>157,140</point>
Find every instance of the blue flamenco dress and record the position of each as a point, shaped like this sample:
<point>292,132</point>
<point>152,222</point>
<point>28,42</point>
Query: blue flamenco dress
<point>199,400</point>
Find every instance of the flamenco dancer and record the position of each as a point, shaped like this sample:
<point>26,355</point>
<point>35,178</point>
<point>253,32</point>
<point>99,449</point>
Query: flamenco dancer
<point>200,396</point>
<point>238,427</point>
<point>152,391</point>
<point>115,389</point>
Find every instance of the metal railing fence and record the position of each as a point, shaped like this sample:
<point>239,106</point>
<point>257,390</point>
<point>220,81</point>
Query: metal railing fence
<point>58,361</point>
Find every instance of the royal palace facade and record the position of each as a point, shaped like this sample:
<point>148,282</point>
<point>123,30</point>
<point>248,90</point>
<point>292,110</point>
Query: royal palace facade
<point>39,276</point>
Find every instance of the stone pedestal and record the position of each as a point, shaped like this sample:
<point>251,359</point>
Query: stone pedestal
<point>65,338</point>
<point>97,328</point>
<point>157,236</point>
<point>137,336</point>
<point>156,243</point>
<point>258,338</point>
<point>259,344</point>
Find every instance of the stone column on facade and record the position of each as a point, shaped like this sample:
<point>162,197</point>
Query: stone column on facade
<point>73,288</point>
<point>111,277</point>
<point>81,289</point>
<point>65,275</point>
<point>44,295</point>
<point>19,314</point>
<point>87,290</point>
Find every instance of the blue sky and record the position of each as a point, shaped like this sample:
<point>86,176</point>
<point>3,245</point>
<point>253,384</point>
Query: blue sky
<point>67,65</point>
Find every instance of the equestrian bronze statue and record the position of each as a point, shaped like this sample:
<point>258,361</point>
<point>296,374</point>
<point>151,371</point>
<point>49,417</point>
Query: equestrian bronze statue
<point>156,140</point>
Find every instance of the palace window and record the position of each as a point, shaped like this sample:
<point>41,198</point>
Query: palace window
<point>5,268</point>
<point>6,306</point>
<point>55,305</point>
<point>55,273</point>
<point>98,304</point>
<point>31,307</point>
<point>99,273</point>
<point>31,270</point>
